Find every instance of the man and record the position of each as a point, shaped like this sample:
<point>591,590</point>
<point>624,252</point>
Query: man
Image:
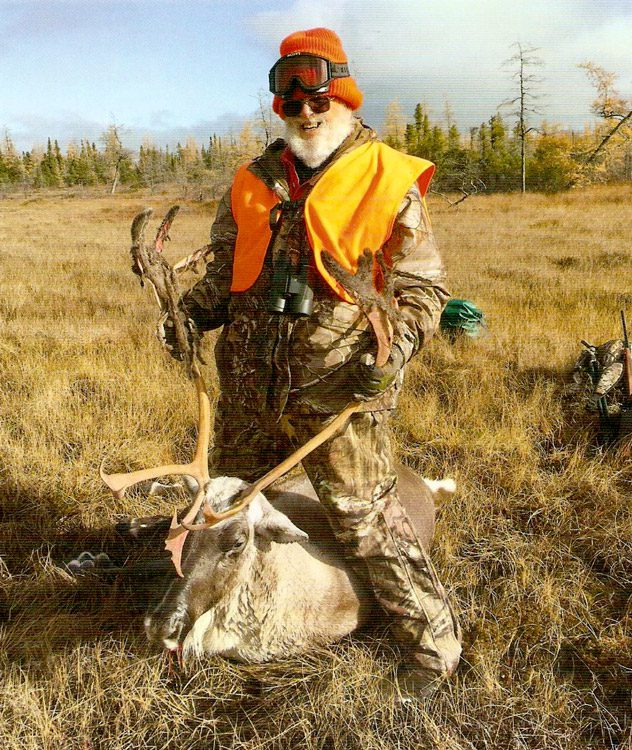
<point>293,350</point>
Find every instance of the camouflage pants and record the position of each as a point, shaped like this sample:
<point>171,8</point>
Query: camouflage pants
<point>354,478</point>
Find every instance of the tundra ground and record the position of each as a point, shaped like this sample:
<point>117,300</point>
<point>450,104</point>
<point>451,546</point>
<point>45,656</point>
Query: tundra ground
<point>535,548</point>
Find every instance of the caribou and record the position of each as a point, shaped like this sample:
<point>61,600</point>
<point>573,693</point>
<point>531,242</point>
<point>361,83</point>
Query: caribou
<point>270,581</point>
<point>262,578</point>
<point>257,578</point>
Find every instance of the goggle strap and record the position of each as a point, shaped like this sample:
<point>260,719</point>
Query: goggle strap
<point>339,70</point>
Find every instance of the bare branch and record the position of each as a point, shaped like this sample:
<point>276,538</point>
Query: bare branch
<point>609,105</point>
<point>604,141</point>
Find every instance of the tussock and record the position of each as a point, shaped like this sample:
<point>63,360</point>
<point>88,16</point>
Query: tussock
<point>535,547</point>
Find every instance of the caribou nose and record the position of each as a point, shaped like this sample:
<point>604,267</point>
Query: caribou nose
<point>170,631</point>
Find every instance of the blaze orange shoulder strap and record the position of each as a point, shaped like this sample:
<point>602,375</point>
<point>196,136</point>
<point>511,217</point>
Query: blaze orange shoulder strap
<point>352,207</point>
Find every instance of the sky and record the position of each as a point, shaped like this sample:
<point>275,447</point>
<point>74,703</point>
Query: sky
<point>166,70</point>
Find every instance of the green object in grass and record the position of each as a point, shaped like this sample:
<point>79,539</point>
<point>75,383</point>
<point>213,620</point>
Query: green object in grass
<point>462,316</point>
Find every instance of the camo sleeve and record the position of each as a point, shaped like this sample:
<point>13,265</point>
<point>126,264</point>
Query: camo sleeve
<point>419,274</point>
<point>207,302</point>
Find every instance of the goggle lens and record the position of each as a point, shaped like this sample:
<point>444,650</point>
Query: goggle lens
<point>313,74</point>
<point>310,71</point>
<point>318,105</point>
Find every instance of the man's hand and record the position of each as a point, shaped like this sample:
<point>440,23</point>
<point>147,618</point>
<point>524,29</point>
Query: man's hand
<point>368,381</point>
<point>167,334</point>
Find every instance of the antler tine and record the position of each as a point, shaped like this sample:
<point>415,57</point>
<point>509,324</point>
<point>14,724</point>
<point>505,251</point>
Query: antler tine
<point>197,468</point>
<point>387,293</point>
<point>139,224</point>
<point>379,307</point>
<point>163,230</point>
<point>191,260</point>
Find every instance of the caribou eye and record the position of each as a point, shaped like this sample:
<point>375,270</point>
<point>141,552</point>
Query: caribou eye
<point>233,539</point>
<point>238,545</point>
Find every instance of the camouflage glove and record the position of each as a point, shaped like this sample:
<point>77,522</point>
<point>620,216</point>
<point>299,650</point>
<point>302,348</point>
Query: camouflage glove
<point>167,334</point>
<point>368,381</point>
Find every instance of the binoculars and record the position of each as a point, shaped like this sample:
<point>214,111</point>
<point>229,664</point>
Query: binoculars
<point>290,291</point>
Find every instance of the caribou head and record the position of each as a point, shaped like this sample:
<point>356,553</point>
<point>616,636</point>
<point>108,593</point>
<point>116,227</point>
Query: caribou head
<point>217,562</point>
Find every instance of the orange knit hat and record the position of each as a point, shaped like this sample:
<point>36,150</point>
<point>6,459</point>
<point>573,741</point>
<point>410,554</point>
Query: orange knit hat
<point>323,43</point>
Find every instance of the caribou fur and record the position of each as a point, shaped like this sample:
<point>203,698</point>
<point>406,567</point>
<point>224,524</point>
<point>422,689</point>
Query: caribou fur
<point>272,581</point>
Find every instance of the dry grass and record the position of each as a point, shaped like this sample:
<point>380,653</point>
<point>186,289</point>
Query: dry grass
<point>535,548</point>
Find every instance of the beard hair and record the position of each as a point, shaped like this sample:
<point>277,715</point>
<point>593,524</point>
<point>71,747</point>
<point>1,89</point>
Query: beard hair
<point>316,150</point>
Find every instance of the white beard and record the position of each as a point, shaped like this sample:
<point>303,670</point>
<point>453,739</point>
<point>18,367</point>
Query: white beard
<point>314,151</point>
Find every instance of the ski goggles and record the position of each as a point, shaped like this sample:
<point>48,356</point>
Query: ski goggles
<point>313,74</point>
<point>318,105</point>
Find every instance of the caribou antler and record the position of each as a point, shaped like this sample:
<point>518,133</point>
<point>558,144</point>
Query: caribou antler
<point>178,532</point>
<point>191,261</point>
<point>277,472</point>
<point>151,265</point>
<point>379,306</point>
<point>197,468</point>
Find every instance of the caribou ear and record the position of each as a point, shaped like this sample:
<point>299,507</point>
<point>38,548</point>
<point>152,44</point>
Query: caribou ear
<point>275,526</point>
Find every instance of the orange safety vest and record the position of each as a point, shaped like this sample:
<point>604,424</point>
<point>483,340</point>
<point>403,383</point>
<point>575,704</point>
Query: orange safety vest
<point>353,206</point>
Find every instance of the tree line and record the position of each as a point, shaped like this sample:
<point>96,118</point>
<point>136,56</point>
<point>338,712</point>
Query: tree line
<point>504,153</point>
<point>489,157</point>
<point>510,153</point>
<point>87,165</point>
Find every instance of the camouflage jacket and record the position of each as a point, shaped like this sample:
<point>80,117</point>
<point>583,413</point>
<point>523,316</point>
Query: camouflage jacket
<point>276,363</point>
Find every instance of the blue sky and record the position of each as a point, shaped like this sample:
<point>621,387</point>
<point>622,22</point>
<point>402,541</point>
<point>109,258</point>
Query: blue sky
<point>170,69</point>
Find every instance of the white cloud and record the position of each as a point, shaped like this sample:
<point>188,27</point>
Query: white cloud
<point>172,68</point>
<point>271,26</point>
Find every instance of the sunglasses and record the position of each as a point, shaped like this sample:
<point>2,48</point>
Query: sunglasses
<point>318,105</point>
